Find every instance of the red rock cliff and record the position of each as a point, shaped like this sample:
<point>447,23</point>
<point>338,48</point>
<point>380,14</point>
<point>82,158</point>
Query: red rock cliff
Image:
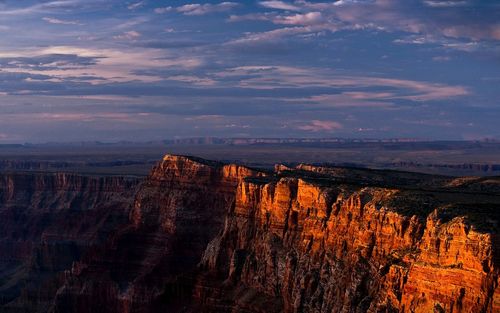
<point>299,246</point>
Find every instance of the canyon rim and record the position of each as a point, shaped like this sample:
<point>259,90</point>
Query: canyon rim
<point>204,236</point>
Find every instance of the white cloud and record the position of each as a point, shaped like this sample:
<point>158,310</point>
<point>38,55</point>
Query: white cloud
<point>163,10</point>
<point>280,33</point>
<point>347,2</point>
<point>136,5</point>
<point>269,35</point>
<point>310,18</point>
<point>193,80</point>
<point>274,4</point>
<point>132,22</point>
<point>382,15</point>
<point>202,9</point>
<point>266,16</point>
<point>130,35</point>
<point>111,65</point>
<point>273,77</point>
<point>318,126</point>
<point>52,20</point>
<point>445,4</point>
<point>50,6</point>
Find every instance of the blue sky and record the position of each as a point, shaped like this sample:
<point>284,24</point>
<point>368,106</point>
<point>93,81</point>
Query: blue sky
<point>148,70</point>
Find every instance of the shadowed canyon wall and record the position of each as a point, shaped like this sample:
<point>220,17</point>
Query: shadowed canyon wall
<point>202,236</point>
<point>48,221</point>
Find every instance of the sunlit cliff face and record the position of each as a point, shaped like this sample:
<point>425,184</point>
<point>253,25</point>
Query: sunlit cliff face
<point>145,70</point>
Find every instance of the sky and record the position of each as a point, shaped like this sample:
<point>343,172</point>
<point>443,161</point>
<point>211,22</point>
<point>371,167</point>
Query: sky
<point>107,70</point>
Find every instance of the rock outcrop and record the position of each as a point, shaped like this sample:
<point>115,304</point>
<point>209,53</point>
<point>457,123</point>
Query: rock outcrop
<point>203,236</point>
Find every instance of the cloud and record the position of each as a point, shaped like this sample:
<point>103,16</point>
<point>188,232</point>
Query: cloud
<point>269,35</point>
<point>445,43</point>
<point>321,126</point>
<point>85,117</point>
<point>131,22</point>
<point>198,9</point>
<point>52,20</point>
<point>163,10</point>
<point>62,6</point>
<point>273,69</point>
<point>202,9</point>
<point>130,35</point>
<point>412,16</point>
<point>266,16</point>
<point>475,32</point>
<point>65,64</point>
<point>280,5</point>
<point>48,62</point>
<point>417,40</point>
<point>311,18</point>
<point>136,5</point>
<point>172,44</point>
<point>446,4</point>
<point>357,99</point>
<point>307,23</point>
<point>193,80</point>
<point>348,2</point>
<point>274,77</point>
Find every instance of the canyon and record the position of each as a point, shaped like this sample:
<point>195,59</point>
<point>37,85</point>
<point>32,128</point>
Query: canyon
<point>206,236</point>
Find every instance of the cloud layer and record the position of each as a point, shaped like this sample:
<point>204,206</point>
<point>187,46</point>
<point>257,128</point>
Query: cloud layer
<point>112,70</point>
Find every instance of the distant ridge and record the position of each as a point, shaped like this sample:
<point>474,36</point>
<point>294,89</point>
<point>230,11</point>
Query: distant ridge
<point>243,141</point>
<point>247,141</point>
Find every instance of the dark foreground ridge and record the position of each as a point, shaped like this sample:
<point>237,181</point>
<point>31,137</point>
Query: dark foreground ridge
<point>204,236</point>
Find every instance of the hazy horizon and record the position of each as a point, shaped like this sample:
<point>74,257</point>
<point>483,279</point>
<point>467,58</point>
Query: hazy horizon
<point>191,141</point>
